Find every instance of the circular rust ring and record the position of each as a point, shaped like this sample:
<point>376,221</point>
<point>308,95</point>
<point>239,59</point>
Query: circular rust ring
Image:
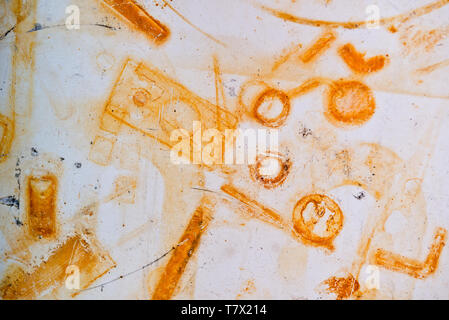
<point>333,225</point>
<point>280,119</point>
<point>270,182</point>
<point>349,102</point>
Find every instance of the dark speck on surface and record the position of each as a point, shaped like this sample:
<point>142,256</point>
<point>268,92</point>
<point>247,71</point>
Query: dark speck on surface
<point>78,165</point>
<point>360,195</point>
<point>34,152</point>
<point>10,201</point>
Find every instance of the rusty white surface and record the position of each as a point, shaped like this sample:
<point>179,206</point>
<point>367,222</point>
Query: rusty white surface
<point>76,69</point>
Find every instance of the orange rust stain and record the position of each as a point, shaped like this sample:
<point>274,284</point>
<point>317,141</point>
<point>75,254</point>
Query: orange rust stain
<point>249,288</point>
<point>357,62</point>
<point>187,246</point>
<point>305,226</point>
<point>315,50</point>
<point>139,18</point>
<point>412,267</point>
<point>149,102</point>
<point>270,181</point>
<point>7,136</point>
<point>342,287</point>
<point>101,150</point>
<point>51,274</point>
<point>422,39</point>
<point>281,60</point>
<point>349,102</point>
<point>124,189</point>
<point>401,18</point>
<point>433,67</point>
<point>42,192</point>
<point>265,212</point>
<point>306,87</point>
<point>266,99</point>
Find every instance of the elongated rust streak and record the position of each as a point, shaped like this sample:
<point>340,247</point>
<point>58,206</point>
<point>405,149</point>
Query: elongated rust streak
<point>7,136</point>
<point>412,267</point>
<point>357,62</point>
<point>188,244</point>
<point>357,24</point>
<point>318,47</point>
<point>306,87</point>
<point>192,25</point>
<point>434,67</point>
<point>42,193</point>
<point>76,251</point>
<point>139,18</point>
<point>265,212</point>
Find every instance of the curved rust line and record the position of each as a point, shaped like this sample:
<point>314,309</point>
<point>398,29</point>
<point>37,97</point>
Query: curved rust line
<point>357,24</point>
<point>194,26</point>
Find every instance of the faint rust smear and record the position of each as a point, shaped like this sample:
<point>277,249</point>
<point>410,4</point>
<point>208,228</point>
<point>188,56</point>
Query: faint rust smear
<point>192,25</point>
<point>357,62</point>
<point>342,287</point>
<point>433,67</point>
<point>412,267</point>
<point>42,196</point>
<point>51,274</point>
<point>139,18</point>
<point>7,136</point>
<point>124,189</point>
<point>281,60</point>
<point>188,244</point>
<point>349,102</point>
<point>422,39</point>
<point>305,226</point>
<point>319,46</point>
<point>401,18</point>
<point>264,212</point>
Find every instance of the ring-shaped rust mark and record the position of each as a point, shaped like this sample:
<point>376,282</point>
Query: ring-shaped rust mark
<point>270,181</point>
<point>305,229</point>
<point>349,103</point>
<point>265,96</point>
<point>141,97</point>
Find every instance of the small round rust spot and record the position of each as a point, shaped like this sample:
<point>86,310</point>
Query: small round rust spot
<point>349,102</point>
<point>265,108</point>
<point>271,169</point>
<point>141,97</point>
<point>305,224</point>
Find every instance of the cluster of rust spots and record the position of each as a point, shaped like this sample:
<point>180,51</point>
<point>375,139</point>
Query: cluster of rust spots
<point>342,287</point>
<point>140,19</point>
<point>42,196</point>
<point>357,62</point>
<point>412,267</point>
<point>349,102</point>
<point>51,274</point>
<point>186,247</point>
<point>309,211</point>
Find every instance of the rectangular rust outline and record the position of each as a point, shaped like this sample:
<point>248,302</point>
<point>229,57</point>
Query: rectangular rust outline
<point>139,17</point>
<point>207,111</point>
<point>41,206</point>
<point>187,245</point>
<point>53,271</point>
